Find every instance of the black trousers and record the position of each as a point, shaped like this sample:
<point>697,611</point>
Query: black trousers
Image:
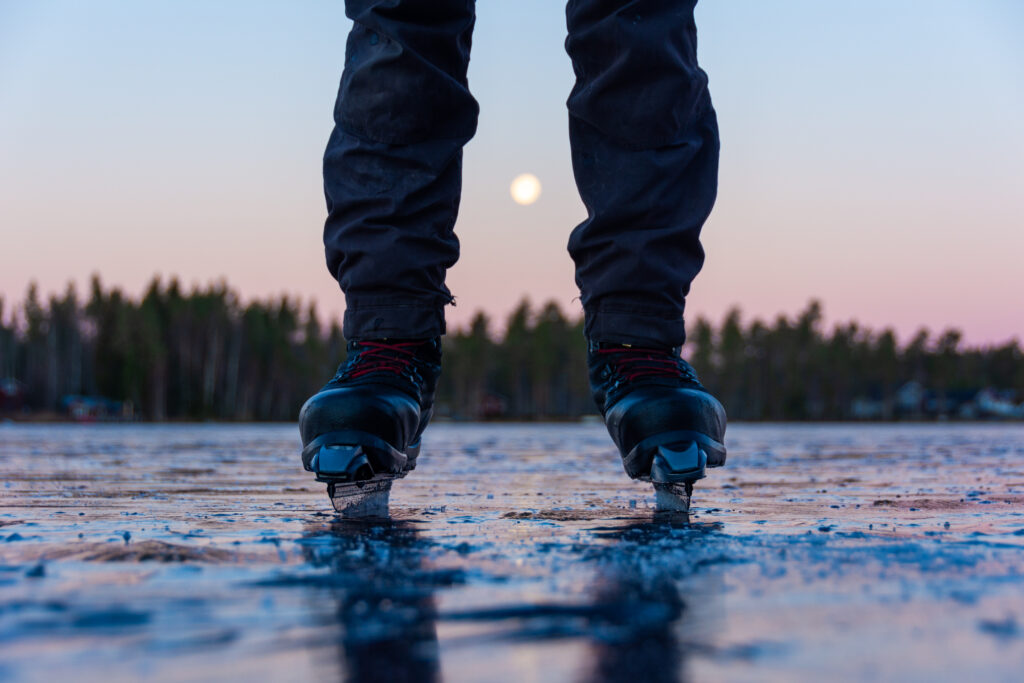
<point>644,144</point>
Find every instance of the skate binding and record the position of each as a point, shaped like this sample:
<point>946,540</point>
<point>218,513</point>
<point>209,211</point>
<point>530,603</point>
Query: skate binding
<point>674,469</point>
<point>354,488</point>
<point>362,430</point>
<point>344,463</point>
<point>675,466</point>
<point>669,429</point>
<point>358,470</point>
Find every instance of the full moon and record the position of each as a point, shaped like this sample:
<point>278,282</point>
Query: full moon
<point>525,189</point>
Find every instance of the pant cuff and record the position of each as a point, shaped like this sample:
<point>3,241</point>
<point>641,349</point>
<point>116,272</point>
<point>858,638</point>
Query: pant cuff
<point>637,326</point>
<point>403,320</point>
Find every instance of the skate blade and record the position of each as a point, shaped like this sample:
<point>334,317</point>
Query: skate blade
<point>361,499</point>
<point>673,497</point>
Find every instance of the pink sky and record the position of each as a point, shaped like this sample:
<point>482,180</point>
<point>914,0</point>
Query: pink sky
<point>888,183</point>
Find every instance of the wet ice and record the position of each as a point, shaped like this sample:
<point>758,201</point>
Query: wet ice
<point>513,550</point>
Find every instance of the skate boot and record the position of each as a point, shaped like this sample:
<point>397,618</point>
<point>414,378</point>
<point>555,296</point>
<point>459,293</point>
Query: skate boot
<point>667,426</point>
<point>362,430</point>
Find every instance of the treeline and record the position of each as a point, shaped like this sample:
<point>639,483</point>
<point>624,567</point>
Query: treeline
<point>202,354</point>
<point>206,354</point>
<point>794,369</point>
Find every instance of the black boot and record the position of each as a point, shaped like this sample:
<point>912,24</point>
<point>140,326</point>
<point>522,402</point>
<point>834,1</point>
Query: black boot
<point>667,426</point>
<point>367,421</point>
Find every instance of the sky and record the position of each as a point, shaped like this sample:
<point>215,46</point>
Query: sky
<point>872,155</point>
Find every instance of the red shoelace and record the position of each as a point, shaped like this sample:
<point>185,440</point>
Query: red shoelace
<point>383,357</point>
<point>631,363</point>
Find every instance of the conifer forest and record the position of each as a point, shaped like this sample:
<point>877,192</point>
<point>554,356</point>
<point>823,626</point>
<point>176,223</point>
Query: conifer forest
<point>205,354</point>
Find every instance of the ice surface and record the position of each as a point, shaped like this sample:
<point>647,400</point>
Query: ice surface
<point>203,552</point>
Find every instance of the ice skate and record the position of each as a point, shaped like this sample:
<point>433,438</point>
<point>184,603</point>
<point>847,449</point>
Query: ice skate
<point>668,428</point>
<point>362,430</point>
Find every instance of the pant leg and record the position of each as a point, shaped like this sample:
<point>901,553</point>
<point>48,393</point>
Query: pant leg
<point>393,165</point>
<point>645,155</point>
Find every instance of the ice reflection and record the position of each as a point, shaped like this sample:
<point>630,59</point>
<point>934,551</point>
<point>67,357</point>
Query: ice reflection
<point>652,604</point>
<point>384,597</point>
<point>638,617</point>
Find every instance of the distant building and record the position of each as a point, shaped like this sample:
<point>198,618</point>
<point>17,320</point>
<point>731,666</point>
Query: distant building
<point>910,399</point>
<point>864,408</point>
<point>96,409</point>
<point>992,403</point>
<point>913,400</point>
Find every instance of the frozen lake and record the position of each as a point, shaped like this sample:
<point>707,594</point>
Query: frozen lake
<point>513,553</point>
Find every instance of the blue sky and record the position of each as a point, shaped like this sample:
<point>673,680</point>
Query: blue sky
<point>872,154</point>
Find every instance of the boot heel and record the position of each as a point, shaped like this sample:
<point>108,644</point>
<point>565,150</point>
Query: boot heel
<point>341,463</point>
<point>678,462</point>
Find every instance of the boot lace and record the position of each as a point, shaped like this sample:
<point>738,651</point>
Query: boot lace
<point>631,363</point>
<point>378,356</point>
